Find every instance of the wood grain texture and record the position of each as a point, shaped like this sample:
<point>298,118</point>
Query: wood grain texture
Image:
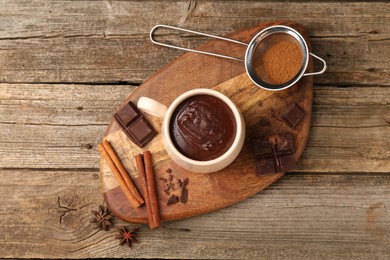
<point>337,209</point>
<point>261,110</point>
<point>300,216</point>
<point>98,41</point>
<point>350,126</point>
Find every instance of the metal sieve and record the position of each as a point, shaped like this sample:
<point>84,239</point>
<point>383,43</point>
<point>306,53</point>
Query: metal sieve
<point>264,39</point>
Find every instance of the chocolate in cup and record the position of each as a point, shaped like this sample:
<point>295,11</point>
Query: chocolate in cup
<point>227,145</point>
<point>202,127</point>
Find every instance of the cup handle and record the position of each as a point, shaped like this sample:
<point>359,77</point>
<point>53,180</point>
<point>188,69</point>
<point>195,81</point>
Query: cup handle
<point>317,72</point>
<point>152,107</point>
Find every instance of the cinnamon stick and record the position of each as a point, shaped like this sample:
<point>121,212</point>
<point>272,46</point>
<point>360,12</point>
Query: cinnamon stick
<point>151,188</point>
<point>142,176</point>
<point>130,184</point>
<point>118,176</point>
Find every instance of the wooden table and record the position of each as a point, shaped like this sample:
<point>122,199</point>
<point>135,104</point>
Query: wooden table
<point>66,66</point>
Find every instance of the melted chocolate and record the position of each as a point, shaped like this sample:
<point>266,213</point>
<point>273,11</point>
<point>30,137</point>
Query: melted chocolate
<point>203,127</point>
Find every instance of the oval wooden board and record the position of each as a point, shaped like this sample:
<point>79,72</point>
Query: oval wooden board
<point>261,110</point>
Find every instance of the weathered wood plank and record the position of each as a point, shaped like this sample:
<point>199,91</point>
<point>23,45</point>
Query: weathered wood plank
<point>105,60</point>
<point>300,216</point>
<point>100,41</point>
<point>46,126</point>
<point>349,134</point>
<point>60,104</point>
<point>46,213</point>
<point>68,18</point>
<point>26,19</point>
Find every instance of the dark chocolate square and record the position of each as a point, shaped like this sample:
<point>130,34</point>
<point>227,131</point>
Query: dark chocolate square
<point>262,148</point>
<point>140,131</point>
<point>287,163</point>
<point>283,142</point>
<point>274,154</point>
<point>265,166</point>
<point>294,115</point>
<point>127,114</point>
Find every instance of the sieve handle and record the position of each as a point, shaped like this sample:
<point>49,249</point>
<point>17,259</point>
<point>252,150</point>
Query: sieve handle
<point>194,32</point>
<point>317,72</point>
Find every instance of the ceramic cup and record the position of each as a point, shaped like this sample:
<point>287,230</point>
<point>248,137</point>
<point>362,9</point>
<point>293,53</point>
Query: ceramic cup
<point>155,108</point>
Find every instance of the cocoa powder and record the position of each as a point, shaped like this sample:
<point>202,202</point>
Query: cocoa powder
<point>280,62</point>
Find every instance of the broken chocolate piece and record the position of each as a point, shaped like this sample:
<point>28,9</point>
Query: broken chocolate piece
<point>294,115</point>
<point>184,195</point>
<point>172,200</point>
<point>167,187</point>
<point>135,125</point>
<point>186,182</point>
<point>127,115</point>
<point>184,192</point>
<point>175,188</point>
<point>274,154</point>
<point>141,131</point>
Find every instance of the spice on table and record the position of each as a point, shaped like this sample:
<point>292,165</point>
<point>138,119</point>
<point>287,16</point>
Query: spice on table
<point>279,62</point>
<point>103,218</point>
<point>127,236</point>
<point>145,169</point>
<point>120,174</point>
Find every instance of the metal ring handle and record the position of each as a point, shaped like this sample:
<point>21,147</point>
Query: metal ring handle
<point>192,50</point>
<point>317,72</point>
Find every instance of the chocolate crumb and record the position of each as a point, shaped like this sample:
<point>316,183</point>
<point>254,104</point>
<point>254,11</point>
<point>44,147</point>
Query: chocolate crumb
<point>184,195</point>
<point>169,170</point>
<point>163,179</point>
<point>175,188</point>
<point>167,187</point>
<point>172,200</point>
<point>186,182</point>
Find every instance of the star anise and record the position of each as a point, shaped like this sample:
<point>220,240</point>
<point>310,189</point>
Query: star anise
<point>103,218</point>
<point>127,236</point>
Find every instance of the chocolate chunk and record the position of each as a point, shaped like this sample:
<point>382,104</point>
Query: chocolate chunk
<point>127,115</point>
<point>265,166</point>
<point>167,187</point>
<point>274,154</point>
<point>172,200</point>
<point>184,195</point>
<point>294,115</point>
<point>282,142</point>
<point>140,131</point>
<point>135,125</point>
<point>261,147</point>
<point>186,182</point>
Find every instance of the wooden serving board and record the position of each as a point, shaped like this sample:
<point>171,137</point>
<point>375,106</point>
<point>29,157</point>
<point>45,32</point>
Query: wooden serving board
<point>262,111</point>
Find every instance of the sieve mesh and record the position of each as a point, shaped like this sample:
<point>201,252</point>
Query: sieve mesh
<point>277,59</point>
